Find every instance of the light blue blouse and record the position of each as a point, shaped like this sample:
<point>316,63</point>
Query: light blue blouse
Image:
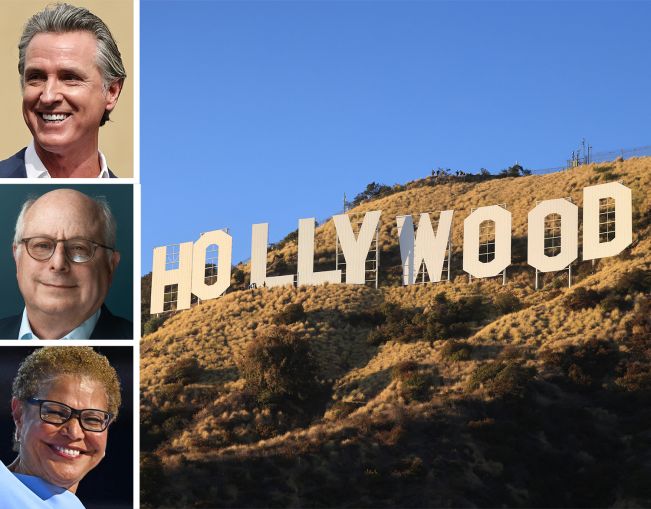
<point>20,491</point>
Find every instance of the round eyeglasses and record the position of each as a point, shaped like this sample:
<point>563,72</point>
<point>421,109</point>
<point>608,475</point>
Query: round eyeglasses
<point>77,250</point>
<point>54,412</point>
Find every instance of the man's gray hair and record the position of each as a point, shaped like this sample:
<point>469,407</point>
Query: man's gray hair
<point>104,215</point>
<point>61,18</point>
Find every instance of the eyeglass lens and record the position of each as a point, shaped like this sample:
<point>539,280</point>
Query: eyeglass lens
<point>77,250</point>
<point>58,413</point>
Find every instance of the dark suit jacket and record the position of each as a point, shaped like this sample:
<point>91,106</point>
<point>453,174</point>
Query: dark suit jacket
<point>108,326</point>
<point>14,167</point>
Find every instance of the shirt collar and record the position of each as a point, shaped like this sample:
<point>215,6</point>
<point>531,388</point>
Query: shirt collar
<point>36,169</point>
<point>83,331</point>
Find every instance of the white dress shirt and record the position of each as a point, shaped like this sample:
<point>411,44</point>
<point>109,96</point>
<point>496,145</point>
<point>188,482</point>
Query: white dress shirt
<point>82,332</point>
<point>36,169</point>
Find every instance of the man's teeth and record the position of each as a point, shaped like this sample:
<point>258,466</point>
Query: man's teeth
<point>65,450</point>
<point>53,117</point>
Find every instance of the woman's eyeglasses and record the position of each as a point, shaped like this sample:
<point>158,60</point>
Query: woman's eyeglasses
<point>54,412</point>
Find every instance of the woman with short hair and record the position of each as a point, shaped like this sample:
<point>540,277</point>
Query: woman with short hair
<point>63,401</point>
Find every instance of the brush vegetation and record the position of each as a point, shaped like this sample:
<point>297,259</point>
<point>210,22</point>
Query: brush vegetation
<point>450,394</point>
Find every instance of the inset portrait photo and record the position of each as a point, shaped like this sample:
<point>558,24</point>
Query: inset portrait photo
<point>67,427</point>
<point>67,89</point>
<point>67,269</point>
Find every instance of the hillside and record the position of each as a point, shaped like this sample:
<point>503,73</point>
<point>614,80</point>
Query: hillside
<point>450,394</point>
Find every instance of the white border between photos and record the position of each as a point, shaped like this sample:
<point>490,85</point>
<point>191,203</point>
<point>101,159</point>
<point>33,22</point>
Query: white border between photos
<point>137,254</point>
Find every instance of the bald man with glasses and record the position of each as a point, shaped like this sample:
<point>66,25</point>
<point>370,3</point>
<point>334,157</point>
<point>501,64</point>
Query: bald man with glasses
<point>64,249</point>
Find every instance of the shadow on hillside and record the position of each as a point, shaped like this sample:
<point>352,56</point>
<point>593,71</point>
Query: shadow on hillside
<point>481,351</point>
<point>228,374</point>
<point>336,320</point>
<point>368,387</point>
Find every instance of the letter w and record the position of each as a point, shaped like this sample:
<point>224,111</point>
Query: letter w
<point>427,248</point>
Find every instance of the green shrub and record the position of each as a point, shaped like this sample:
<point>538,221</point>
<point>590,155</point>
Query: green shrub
<point>291,314</point>
<point>395,323</point>
<point>278,366</point>
<point>502,379</point>
<point>614,300</point>
<point>187,370</point>
<point>401,371</point>
<point>154,323</point>
<point>448,319</point>
<point>473,307</point>
<point>290,237</point>
<point>373,191</point>
<point>365,318</point>
<point>341,409</point>
<point>483,373</point>
<point>586,365</point>
<point>512,380</point>
<point>417,386</point>
<point>582,298</point>
<point>394,313</point>
<point>514,171</point>
<point>376,337</point>
<point>456,351</point>
<point>445,319</point>
<point>278,265</point>
<point>415,380</point>
<point>239,279</point>
<point>637,280</point>
<point>506,302</point>
<point>407,332</point>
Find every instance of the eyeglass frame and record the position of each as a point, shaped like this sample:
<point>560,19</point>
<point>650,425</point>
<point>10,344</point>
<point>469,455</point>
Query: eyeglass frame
<point>73,413</point>
<point>56,242</point>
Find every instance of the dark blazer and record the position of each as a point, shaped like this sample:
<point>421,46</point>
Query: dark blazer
<point>14,167</point>
<point>108,326</point>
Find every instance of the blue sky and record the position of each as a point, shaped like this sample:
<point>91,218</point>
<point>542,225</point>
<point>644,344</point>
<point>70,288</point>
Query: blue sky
<point>269,111</point>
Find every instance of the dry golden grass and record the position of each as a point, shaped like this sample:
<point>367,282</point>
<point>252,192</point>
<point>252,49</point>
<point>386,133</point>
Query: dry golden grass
<point>217,332</point>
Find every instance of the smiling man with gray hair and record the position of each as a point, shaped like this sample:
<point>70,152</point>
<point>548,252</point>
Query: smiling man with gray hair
<point>64,249</point>
<point>71,74</point>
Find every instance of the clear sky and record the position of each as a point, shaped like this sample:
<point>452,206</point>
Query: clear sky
<point>269,111</point>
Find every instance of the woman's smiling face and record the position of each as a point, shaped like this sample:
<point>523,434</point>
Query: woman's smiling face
<point>61,454</point>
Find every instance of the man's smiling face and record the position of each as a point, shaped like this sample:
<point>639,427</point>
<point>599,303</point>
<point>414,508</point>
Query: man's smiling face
<point>64,96</point>
<point>59,288</point>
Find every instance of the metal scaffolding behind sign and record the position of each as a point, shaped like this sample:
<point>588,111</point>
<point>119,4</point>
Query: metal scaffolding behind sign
<point>423,277</point>
<point>552,242</point>
<point>372,263</point>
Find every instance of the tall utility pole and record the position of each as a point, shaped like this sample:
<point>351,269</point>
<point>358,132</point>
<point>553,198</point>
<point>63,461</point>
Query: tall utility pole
<point>582,155</point>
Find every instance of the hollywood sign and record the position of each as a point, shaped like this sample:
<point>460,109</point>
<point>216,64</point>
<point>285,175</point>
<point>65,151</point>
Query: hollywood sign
<point>422,247</point>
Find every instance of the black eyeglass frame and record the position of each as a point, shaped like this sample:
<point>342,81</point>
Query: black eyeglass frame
<point>65,247</point>
<point>73,413</point>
